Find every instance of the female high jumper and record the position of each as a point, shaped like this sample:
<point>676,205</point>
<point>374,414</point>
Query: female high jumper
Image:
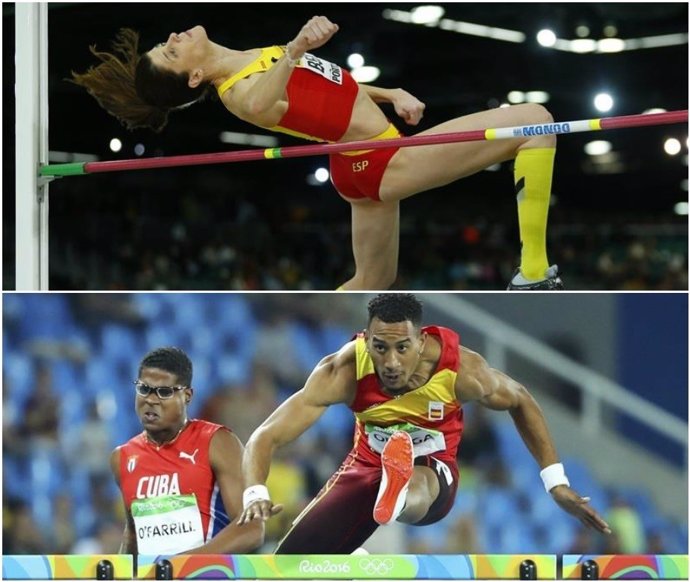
<point>289,90</point>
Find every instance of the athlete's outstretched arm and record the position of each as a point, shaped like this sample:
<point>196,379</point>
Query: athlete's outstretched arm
<point>406,105</point>
<point>225,456</point>
<point>252,98</point>
<point>495,390</point>
<point>328,384</point>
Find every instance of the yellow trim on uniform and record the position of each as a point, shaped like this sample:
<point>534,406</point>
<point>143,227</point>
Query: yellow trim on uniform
<point>391,132</point>
<point>414,404</point>
<point>297,134</point>
<point>259,65</point>
<point>365,365</point>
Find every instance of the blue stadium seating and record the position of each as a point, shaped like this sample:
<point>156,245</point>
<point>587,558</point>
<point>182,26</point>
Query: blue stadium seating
<point>120,342</point>
<point>15,477</point>
<point>19,373</point>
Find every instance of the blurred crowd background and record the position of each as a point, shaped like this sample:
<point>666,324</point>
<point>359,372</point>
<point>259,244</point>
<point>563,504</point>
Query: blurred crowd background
<point>214,235</point>
<point>618,218</point>
<point>68,366</point>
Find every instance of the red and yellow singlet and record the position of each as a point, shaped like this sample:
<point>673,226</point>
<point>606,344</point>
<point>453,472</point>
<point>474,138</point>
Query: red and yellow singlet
<point>431,413</point>
<point>320,94</point>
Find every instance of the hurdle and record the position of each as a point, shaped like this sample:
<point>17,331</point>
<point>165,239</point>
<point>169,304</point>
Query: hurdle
<point>352,567</point>
<point>608,567</point>
<point>283,567</point>
<point>68,567</point>
<point>346,567</point>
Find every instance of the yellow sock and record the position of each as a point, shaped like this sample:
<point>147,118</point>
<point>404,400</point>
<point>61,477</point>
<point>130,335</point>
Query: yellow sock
<point>533,171</point>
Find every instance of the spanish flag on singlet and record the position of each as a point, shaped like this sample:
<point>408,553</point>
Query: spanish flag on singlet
<point>431,413</point>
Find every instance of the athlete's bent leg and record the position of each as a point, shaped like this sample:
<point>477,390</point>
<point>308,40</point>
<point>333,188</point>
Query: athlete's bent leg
<point>375,234</point>
<point>422,493</point>
<point>439,484</point>
<point>417,169</point>
<point>533,170</point>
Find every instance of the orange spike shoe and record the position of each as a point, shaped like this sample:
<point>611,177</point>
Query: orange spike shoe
<point>397,463</point>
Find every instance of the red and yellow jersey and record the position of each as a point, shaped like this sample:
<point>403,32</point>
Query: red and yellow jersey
<point>320,95</point>
<point>178,472</point>
<point>431,413</point>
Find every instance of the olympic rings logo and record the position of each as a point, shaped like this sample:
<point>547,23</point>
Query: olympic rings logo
<point>375,566</point>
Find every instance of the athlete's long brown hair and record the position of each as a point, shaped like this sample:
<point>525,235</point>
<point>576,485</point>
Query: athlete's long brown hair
<point>129,86</point>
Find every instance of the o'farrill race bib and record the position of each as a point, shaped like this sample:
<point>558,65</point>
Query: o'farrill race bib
<point>167,525</point>
<point>425,441</point>
<point>328,71</point>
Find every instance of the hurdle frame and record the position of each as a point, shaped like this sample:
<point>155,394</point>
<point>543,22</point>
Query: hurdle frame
<point>31,150</point>
<point>347,567</point>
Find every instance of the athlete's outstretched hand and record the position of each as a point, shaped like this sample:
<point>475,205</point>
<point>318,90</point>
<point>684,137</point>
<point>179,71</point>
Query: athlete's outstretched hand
<point>408,106</point>
<point>260,509</point>
<point>579,506</point>
<point>315,33</point>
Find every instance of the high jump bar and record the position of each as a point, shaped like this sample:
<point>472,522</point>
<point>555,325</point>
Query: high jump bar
<point>557,128</point>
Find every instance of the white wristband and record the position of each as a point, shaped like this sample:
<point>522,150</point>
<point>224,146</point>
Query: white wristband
<point>553,475</point>
<point>254,493</point>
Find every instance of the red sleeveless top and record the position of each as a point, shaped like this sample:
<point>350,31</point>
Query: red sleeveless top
<point>181,467</point>
<point>321,95</point>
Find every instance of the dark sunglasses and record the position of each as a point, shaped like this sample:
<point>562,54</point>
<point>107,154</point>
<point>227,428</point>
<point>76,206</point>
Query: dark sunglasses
<point>163,392</point>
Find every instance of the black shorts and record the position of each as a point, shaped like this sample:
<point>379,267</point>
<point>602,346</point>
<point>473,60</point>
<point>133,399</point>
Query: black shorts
<point>447,488</point>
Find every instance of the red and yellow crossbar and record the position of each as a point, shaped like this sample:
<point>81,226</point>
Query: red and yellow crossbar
<point>556,128</point>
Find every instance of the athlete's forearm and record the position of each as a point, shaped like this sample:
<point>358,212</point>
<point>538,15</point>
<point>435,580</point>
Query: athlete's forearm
<point>290,420</point>
<point>531,424</point>
<point>256,461</point>
<point>379,94</point>
<point>269,88</point>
